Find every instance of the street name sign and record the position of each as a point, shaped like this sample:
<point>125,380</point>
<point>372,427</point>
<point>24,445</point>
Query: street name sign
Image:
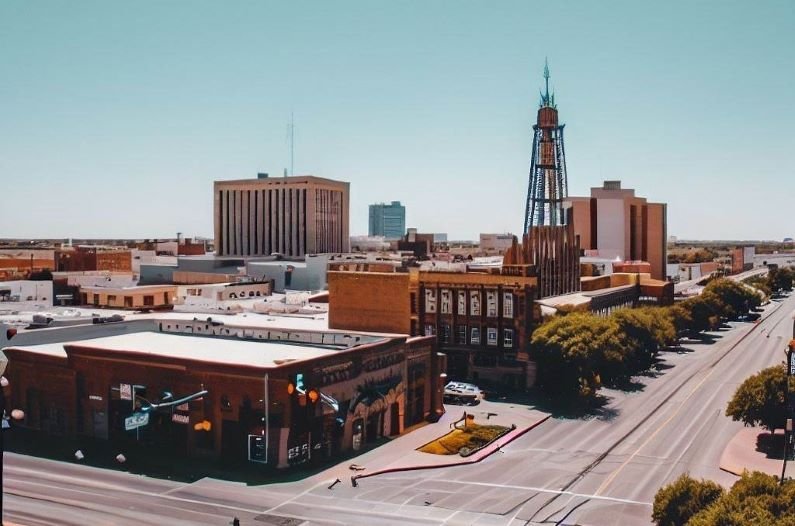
<point>135,421</point>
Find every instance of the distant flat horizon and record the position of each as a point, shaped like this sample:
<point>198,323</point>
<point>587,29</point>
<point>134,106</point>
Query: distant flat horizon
<point>82,240</point>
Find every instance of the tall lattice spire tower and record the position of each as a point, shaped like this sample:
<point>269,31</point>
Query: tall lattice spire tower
<point>548,183</point>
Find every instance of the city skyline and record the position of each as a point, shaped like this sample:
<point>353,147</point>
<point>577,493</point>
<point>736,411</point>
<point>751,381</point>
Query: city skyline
<point>145,107</point>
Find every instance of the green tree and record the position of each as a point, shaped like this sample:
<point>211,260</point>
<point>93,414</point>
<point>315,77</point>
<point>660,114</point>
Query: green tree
<point>755,499</point>
<point>569,352</point>
<point>702,313</point>
<point>780,279</point>
<point>644,331</point>
<point>761,399</point>
<point>760,283</point>
<point>680,500</point>
<point>680,318</point>
<point>733,299</point>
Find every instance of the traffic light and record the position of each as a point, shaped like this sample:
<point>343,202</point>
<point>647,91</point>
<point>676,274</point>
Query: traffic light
<point>139,397</point>
<point>204,425</point>
<point>296,385</point>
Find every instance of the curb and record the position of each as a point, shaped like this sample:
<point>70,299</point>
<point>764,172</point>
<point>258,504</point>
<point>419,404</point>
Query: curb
<point>354,478</point>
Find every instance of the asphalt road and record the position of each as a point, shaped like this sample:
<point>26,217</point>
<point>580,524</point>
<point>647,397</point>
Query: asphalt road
<point>604,469</point>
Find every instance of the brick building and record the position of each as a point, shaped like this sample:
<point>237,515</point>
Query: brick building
<point>274,396</point>
<point>19,264</point>
<point>134,297</point>
<point>351,294</point>
<point>85,258</point>
<point>189,247</point>
<point>19,269</point>
<point>482,320</point>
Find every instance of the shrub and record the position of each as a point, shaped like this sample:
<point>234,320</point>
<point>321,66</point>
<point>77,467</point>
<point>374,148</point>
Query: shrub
<point>680,500</point>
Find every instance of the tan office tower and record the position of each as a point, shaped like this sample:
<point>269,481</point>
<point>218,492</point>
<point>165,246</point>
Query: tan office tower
<point>614,223</point>
<point>293,216</point>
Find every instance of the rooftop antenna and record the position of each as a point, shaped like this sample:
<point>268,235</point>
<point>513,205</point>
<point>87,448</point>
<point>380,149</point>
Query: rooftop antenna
<point>291,141</point>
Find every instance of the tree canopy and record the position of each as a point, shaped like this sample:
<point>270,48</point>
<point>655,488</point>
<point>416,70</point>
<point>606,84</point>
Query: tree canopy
<point>680,500</point>
<point>644,332</point>
<point>761,399</point>
<point>780,279</point>
<point>569,351</point>
<point>733,299</point>
<point>702,314</point>
<point>756,498</point>
<point>576,352</point>
<point>680,317</point>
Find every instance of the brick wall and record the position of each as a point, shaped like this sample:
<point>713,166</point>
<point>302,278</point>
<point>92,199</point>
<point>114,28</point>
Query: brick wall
<point>372,301</point>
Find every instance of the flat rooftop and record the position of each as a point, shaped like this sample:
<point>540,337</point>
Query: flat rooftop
<point>293,179</point>
<point>229,351</point>
<point>581,297</point>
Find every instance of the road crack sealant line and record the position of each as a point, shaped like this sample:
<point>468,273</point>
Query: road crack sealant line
<point>355,478</point>
<point>130,491</point>
<point>598,460</point>
<point>105,509</point>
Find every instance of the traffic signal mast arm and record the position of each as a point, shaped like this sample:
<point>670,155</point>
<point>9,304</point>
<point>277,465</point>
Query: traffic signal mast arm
<point>172,403</point>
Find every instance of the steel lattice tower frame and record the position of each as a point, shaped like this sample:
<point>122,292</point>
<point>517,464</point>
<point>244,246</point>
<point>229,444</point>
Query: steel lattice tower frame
<point>547,187</point>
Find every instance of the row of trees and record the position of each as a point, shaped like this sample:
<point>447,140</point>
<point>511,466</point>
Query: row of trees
<point>777,280</point>
<point>756,498</point>
<point>692,256</point>
<point>577,352</point>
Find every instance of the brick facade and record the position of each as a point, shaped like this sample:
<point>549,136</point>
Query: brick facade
<point>375,388</point>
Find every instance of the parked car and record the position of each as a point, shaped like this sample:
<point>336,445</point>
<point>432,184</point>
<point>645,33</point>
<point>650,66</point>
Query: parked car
<point>464,393</point>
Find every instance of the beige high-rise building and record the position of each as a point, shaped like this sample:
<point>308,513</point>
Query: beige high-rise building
<point>293,216</point>
<point>614,223</point>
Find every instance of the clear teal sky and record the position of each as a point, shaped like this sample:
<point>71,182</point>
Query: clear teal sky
<point>115,117</point>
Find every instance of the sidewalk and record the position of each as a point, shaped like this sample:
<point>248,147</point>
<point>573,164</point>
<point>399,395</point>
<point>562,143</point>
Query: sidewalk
<point>401,454</point>
<point>741,454</point>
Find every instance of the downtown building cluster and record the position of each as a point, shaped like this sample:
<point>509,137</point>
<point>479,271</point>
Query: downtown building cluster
<point>364,353</point>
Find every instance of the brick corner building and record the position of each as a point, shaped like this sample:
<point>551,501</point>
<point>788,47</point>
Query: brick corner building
<point>293,216</point>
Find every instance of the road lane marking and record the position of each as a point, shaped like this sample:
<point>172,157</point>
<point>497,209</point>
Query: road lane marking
<point>547,490</point>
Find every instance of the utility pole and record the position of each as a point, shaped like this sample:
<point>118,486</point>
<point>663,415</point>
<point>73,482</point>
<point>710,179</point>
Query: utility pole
<point>789,404</point>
